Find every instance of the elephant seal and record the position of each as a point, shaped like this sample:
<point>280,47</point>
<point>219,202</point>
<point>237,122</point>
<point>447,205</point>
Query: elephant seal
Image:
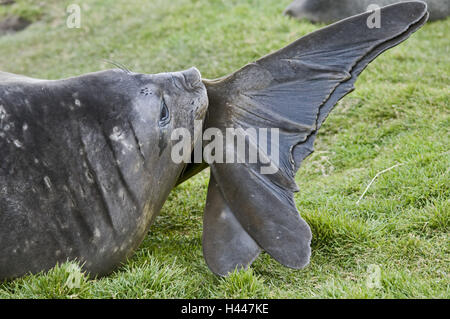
<point>327,11</point>
<point>86,161</point>
<point>86,164</point>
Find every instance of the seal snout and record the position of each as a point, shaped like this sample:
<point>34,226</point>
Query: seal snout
<point>294,9</point>
<point>289,12</point>
<point>192,77</point>
<point>193,92</point>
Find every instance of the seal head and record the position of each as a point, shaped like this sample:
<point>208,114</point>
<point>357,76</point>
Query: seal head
<point>86,164</point>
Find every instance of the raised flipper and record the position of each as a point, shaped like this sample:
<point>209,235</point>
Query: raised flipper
<point>294,90</point>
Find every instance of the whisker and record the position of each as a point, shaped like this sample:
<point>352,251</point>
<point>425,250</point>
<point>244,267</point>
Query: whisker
<point>119,65</point>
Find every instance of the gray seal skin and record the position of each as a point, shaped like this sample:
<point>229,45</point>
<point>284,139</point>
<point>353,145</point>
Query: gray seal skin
<point>293,89</point>
<point>327,11</point>
<point>86,164</point>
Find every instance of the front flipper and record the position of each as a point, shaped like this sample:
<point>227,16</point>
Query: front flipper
<point>293,90</point>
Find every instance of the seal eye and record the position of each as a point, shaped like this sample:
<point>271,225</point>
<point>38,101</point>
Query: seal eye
<point>164,116</point>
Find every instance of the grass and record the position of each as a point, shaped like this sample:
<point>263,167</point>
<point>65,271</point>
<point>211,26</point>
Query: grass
<point>399,113</point>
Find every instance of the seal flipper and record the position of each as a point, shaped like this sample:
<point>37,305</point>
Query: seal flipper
<point>294,90</point>
<point>226,245</point>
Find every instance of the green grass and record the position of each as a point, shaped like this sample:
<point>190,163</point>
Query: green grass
<point>399,113</point>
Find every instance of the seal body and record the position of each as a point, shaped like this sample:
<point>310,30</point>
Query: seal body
<point>327,11</point>
<point>85,164</point>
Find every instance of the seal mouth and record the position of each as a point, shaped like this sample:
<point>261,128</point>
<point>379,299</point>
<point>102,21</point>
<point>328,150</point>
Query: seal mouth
<point>201,111</point>
<point>202,104</point>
